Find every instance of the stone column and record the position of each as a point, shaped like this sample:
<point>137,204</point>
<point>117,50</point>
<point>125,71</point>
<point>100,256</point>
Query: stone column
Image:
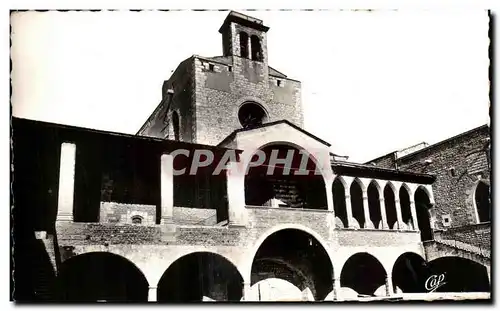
<point>152,293</point>
<point>384,221</point>
<point>249,46</point>
<point>413,211</point>
<point>235,194</point>
<point>488,271</point>
<point>329,194</point>
<point>336,289</point>
<point>167,188</point>
<point>348,208</point>
<point>389,289</point>
<point>66,182</point>
<point>398,214</point>
<point>366,209</point>
<point>246,292</point>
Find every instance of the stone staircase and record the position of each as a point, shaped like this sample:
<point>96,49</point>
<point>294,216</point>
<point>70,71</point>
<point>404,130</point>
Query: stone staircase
<point>440,248</point>
<point>466,247</point>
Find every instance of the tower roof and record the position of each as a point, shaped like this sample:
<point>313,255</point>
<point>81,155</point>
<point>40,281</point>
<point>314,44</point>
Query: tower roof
<point>244,20</point>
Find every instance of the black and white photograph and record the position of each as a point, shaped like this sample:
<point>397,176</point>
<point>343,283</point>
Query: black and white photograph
<point>251,155</point>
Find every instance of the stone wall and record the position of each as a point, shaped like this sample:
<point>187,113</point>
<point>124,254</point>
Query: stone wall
<point>112,212</point>
<point>458,163</point>
<point>478,235</point>
<point>221,91</point>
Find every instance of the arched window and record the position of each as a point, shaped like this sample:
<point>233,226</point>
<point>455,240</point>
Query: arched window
<point>136,220</point>
<point>175,124</point>
<point>256,48</point>
<point>243,44</point>
<point>483,202</point>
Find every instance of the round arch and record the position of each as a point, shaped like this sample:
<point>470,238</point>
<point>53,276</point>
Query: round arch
<point>198,274</point>
<point>423,205</point>
<point>307,243</point>
<point>390,196</point>
<point>360,183</point>
<point>342,180</point>
<point>409,273</point>
<point>427,192</point>
<point>405,198</point>
<point>482,213</point>
<point>373,192</point>
<point>252,251</point>
<point>363,273</point>
<point>460,274</point>
<point>101,276</point>
<point>287,185</point>
<point>304,150</point>
<point>178,256</point>
<point>356,196</point>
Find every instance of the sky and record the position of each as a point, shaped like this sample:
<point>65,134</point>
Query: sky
<point>372,82</point>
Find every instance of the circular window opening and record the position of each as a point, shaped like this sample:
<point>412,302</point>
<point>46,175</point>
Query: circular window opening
<point>137,220</point>
<point>251,115</point>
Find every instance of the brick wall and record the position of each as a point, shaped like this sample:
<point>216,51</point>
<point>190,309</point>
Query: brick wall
<point>376,238</point>
<point>106,234</point>
<point>112,212</point>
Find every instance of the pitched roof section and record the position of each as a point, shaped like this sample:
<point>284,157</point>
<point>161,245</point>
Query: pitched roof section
<point>233,134</point>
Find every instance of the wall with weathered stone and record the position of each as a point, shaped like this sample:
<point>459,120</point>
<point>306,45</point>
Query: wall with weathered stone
<point>112,212</point>
<point>477,234</point>
<point>453,189</point>
<point>220,93</point>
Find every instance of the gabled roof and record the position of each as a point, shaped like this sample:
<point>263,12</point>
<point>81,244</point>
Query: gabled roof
<point>233,134</point>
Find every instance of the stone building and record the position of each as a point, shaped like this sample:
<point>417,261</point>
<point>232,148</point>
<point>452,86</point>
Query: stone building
<point>102,216</point>
<point>462,168</point>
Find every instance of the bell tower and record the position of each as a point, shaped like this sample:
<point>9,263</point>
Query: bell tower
<point>244,37</point>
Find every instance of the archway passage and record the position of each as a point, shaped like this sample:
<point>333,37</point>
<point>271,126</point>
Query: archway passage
<point>422,206</point>
<point>390,207</point>
<point>297,257</point>
<point>273,289</point>
<point>357,203</point>
<point>95,277</point>
<point>374,205</point>
<point>200,274</point>
<point>409,273</point>
<point>483,202</point>
<point>363,273</point>
<point>291,183</point>
<point>339,205</point>
<point>460,275</point>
